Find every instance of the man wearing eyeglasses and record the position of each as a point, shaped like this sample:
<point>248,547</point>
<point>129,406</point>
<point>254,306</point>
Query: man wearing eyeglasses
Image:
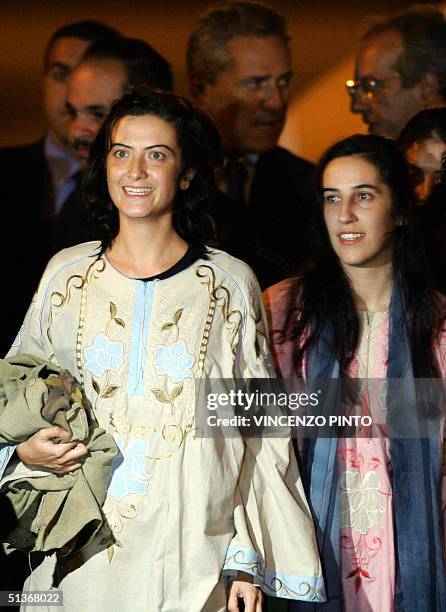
<point>400,70</point>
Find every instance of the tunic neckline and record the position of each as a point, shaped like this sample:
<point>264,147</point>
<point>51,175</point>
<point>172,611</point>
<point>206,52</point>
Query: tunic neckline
<point>189,258</point>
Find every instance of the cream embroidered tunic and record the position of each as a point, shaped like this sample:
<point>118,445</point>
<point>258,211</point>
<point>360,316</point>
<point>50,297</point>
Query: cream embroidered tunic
<point>185,509</point>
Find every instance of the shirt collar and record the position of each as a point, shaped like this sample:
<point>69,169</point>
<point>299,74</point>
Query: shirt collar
<point>249,159</point>
<point>58,157</point>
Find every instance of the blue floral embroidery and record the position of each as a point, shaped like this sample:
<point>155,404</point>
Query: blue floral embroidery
<point>174,360</point>
<point>18,338</point>
<point>128,475</point>
<point>6,452</point>
<point>103,355</point>
<point>274,584</point>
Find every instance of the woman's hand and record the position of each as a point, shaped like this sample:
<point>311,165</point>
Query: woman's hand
<point>243,588</point>
<point>41,451</point>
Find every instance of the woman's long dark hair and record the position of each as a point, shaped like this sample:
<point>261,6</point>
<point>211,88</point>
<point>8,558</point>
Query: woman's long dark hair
<point>428,123</point>
<point>324,293</point>
<point>201,150</point>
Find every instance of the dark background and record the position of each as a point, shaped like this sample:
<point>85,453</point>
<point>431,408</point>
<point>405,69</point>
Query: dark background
<point>324,37</point>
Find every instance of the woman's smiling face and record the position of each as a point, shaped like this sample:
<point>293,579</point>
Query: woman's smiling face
<point>144,167</point>
<point>358,212</point>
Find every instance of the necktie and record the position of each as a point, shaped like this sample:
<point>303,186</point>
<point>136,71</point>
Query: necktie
<point>68,187</point>
<point>235,175</point>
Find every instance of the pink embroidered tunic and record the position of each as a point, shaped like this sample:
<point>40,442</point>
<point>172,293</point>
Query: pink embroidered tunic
<point>367,550</point>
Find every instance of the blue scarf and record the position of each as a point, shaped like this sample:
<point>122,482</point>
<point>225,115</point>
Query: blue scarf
<point>421,577</point>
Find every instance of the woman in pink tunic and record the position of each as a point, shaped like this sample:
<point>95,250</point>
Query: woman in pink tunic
<point>367,310</point>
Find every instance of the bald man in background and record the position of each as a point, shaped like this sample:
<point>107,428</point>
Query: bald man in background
<point>400,70</point>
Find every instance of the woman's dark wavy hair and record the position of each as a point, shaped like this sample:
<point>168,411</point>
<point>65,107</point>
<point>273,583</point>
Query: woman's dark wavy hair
<point>428,123</point>
<point>324,293</point>
<point>201,150</point>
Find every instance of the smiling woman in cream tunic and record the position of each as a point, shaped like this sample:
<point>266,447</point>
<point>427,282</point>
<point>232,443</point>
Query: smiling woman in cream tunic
<point>141,318</point>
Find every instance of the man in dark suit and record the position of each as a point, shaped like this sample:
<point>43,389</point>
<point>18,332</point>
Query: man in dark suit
<point>400,70</point>
<point>240,70</point>
<point>38,177</point>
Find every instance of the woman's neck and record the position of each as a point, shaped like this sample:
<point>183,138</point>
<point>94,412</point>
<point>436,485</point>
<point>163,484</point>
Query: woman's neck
<point>372,287</point>
<point>142,250</point>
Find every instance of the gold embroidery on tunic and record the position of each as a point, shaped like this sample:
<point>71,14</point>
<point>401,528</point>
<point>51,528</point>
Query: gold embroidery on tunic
<point>97,266</point>
<point>222,298</point>
<point>115,511</point>
<point>121,424</point>
<point>59,300</point>
<point>165,396</point>
<point>172,433</point>
<point>113,317</point>
<point>257,318</point>
<point>174,324</point>
<point>205,337</point>
<point>76,281</point>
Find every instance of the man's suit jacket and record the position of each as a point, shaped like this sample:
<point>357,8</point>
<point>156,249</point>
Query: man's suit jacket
<point>31,232</point>
<point>281,201</point>
<point>26,200</point>
<point>73,225</point>
<point>272,232</point>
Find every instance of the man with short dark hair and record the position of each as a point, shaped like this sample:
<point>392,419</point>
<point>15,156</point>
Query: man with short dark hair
<point>107,69</point>
<point>63,52</point>
<point>400,70</point>
<point>52,156</point>
<point>101,77</point>
<point>40,176</point>
<point>240,69</point>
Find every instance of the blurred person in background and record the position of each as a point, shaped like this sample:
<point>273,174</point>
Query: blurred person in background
<point>51,157</point>
<point>105,72</point>
<point>423,143</point>
<point>37,179</point>
<point>433,218</point>
<point>40,176</point>
<point>400,70</point>
<point>240,71</point>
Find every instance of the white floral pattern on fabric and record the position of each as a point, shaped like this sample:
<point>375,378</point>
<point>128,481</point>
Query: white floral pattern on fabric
<point>174,360</point>
<point>129,476</point>
<point>103,355</point>
<point>361,507</point>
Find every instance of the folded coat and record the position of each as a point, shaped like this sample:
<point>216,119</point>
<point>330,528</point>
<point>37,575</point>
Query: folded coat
<point>54,512</point>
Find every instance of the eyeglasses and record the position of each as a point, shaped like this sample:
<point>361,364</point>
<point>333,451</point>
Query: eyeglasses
<point>370,86</point>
